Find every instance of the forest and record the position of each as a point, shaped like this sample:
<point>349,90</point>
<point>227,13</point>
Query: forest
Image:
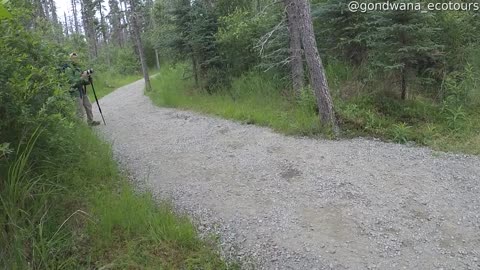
<point>302,68</point>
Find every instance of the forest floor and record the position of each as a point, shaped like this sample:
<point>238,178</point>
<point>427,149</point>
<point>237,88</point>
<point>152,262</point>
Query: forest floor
<point>284,202</point>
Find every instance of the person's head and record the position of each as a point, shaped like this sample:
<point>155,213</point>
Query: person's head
<point>74,57</point>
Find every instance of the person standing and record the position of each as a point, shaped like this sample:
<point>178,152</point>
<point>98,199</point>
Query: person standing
<point>78,88</point>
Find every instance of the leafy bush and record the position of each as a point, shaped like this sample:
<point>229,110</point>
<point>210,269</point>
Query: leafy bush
<point>34,93</point>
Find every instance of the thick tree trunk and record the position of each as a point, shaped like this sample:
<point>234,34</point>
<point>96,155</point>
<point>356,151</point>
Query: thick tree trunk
<point>318,79</point>
<point>296,64</point>
<point>138,41</point>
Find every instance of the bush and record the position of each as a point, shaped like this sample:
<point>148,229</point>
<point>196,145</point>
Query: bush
<point>34,93</point>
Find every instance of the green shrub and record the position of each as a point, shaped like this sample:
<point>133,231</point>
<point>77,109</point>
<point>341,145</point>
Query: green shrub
<point>34,93</point>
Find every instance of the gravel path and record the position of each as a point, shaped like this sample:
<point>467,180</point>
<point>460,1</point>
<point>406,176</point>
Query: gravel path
<point>297,203</point>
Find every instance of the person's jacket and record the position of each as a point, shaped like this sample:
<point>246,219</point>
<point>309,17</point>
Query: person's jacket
<point>73,72</point>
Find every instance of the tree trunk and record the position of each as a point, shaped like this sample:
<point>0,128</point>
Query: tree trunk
<point>102,22</point>
<point>74,11</point>
<point>318,79</point>
<point>53,10</point>
<point>88,16</point>
<point>66,24</point>
<point>195,69</point>
<point>70,25</point>
<point>46,9</point>
<point>39,9</point>
<point>125,19</point>
<point>116,22</point>
<point>404,83</point>
<point>296,64</point>
<point>138,41</point>
<point>156,58</point>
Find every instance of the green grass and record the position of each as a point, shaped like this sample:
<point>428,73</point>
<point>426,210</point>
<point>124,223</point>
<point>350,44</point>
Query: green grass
<point>256,99</point>
<point>106,82</point>
<point>251,99</point>
<point>68,207</point>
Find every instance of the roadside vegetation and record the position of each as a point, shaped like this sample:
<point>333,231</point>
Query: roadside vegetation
<point>70,208</point>
<point>398,76</point>
<point>64,204</point>
<point>376,114</point>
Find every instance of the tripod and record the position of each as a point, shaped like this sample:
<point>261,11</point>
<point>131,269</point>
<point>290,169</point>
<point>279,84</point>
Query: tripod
<point>96,99</point>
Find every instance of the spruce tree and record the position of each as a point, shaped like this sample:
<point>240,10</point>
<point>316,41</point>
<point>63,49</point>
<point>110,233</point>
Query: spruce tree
<point>399,41</point>
<point>343,33</point>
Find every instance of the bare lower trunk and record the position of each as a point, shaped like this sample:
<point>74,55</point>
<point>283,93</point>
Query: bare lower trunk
<point>53,10</point>
<point>156,58</point>
<point>138,41</point>
<point>296,64</point>
<point>318,79</point>
<point>404,84</point>
<point>74,11</point>
<point>195,69</point>
<point>66,24</point>
<point>102,22</point>
<point>125,19</point>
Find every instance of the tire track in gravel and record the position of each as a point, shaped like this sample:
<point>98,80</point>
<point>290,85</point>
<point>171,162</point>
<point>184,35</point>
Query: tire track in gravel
<point>298,203</point>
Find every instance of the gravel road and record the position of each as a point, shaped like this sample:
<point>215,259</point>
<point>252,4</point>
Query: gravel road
<point>281,202</point>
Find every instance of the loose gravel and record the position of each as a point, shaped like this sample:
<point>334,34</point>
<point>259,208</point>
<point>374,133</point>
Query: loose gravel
<point>281,202</point>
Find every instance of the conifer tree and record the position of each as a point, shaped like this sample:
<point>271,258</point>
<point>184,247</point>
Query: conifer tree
<point>399,41</point>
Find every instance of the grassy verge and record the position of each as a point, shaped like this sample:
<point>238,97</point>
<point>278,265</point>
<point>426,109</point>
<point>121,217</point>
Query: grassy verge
<point>258,99</point>
<point>251,99</point>
<point>68,207</point>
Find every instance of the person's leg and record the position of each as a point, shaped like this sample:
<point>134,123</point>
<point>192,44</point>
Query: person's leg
<point>79,103</point>
<point>88,108</point>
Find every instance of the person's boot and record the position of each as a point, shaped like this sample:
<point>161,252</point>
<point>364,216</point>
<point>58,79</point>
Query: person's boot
<point>94,123</point>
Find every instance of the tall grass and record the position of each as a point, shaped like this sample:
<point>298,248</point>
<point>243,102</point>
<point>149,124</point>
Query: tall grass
<point>252,99</point>
<point>74,210</point>
<point>364,107</point>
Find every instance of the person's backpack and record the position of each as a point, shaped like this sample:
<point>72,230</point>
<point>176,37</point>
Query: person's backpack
<point>62,68</point>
